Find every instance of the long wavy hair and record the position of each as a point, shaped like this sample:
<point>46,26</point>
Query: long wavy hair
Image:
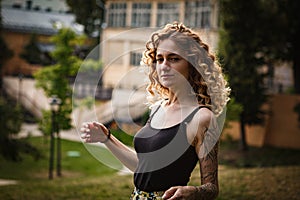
<point>205,74</point>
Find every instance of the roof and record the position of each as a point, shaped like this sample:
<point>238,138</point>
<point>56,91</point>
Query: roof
<point>46,47</point>
<point>38,22</point>
<point>54,5</point>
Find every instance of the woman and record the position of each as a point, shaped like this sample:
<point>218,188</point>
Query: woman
<point>187,90</point>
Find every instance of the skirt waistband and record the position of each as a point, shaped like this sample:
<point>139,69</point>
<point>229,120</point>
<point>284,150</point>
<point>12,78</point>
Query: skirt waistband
<point>142,195</point>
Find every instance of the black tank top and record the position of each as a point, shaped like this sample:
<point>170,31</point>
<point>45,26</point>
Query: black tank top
<point>165,156</point>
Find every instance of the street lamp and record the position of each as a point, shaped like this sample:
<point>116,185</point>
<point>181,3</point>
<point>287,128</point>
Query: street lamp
<point>20,88</point>
<point>54,106</point>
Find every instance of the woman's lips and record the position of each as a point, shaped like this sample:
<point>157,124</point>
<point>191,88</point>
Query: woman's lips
<point>166,75</point>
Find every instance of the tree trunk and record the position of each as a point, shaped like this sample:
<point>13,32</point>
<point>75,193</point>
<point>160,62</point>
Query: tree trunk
<point>296,68</point>
<point>1,91</point>
<point>293,18</point>
<point>243,143</point>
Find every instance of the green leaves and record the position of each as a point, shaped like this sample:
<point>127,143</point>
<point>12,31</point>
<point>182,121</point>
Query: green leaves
<point>88,13</point>
<point>10,124</point>
<point>239,45</point>
<point>54,80</point>
<point>10,120</point>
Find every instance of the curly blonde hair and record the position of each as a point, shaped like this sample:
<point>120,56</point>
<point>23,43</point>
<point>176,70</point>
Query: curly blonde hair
<point>205,74</point>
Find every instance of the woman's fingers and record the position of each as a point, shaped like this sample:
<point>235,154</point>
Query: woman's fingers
<point>93,132</point>
<point>100,126</point>
<point>169,193</point>
<point>85,132</point>
<point>97,125</point>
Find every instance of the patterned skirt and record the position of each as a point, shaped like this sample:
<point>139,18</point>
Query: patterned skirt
<point>142,195</point>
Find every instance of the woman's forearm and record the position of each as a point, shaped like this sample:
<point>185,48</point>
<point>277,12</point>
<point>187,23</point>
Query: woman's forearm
<point>208,191</point>
<point>123,153</point>
<point>93,132</point>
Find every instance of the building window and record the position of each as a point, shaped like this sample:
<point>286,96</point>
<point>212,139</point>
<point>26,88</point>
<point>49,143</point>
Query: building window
<point>48,9</point>
<point>28,5</point>
<point>167,13</point>
<point>198,13</point>
<point>37,8</point>
<point>141,14</point>
<point>117,15</point>
<point>135,58</point>
<point>17,5</point>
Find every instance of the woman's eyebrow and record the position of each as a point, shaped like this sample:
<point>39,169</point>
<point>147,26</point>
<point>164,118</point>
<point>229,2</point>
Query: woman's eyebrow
<point>171,54</point>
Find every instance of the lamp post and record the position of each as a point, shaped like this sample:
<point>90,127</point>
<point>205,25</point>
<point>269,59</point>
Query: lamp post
<point>54,106</point>
<point>58,146</point>
<point>20,88</point>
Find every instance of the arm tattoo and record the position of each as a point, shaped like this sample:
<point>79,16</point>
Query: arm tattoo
<point>209,175</point>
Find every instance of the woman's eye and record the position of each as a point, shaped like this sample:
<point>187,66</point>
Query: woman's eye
<point>175,59</point>
<point>171,59</point>
<point>159,60</point>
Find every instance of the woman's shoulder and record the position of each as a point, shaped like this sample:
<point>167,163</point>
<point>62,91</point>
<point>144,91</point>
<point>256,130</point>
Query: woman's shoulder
<point>202,118</point>
<point>154,107</point>
<point>204,115</point>
<point>199,124</point>
<point>157,104</point>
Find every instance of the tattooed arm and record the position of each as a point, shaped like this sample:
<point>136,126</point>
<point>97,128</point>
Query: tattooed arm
<point>209,176</point>
<point>207,149</point>
<point>209,179</point>
<point>206,145</point>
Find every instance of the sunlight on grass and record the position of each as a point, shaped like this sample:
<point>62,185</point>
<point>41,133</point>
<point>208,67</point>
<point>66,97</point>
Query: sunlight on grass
<point>104,156</point>
<point>84,177</point>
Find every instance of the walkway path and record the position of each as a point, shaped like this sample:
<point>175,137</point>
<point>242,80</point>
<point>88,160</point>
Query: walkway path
<point>32,130</point>
<point>72,135</point>
<point>7,182</point>
<point>125,105</point>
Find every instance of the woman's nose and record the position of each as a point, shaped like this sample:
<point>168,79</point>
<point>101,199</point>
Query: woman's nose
<point>165,65</point>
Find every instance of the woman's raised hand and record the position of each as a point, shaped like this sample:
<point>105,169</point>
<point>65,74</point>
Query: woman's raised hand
<point>92,132</point>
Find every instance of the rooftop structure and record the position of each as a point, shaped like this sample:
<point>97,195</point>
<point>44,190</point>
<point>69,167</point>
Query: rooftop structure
<point>45,23</point>
<point>37,5</point>
<point>21,19</point>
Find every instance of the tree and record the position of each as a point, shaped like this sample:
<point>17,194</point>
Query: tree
<point>10,125</point>
<point>11,116</point>
<point>279,31</point>
<point>89,13</point>
<point>54,80</point>
<point>32,53</point>
<point>238,47</point>
<point>5,53</point>
<point>288,33</point>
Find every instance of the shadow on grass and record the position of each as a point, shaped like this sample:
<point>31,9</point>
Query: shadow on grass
<point>267,156</point>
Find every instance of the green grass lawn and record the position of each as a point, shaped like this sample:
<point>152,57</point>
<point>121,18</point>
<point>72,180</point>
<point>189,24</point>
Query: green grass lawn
<point>262,173</point>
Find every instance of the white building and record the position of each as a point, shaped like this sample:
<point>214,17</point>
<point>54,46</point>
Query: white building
<point>130,23</point>
<point>38,5</point>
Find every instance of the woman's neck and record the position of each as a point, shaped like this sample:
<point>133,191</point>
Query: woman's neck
<point>181,100</point>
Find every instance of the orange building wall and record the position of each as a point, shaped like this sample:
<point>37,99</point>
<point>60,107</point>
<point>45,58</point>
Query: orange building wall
<point>281,128</point>
<point>16,42</point>
<point>255,135</point>
<point>284,129</point>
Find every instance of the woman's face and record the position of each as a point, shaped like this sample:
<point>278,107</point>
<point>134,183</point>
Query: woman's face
<point>172,69</point>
